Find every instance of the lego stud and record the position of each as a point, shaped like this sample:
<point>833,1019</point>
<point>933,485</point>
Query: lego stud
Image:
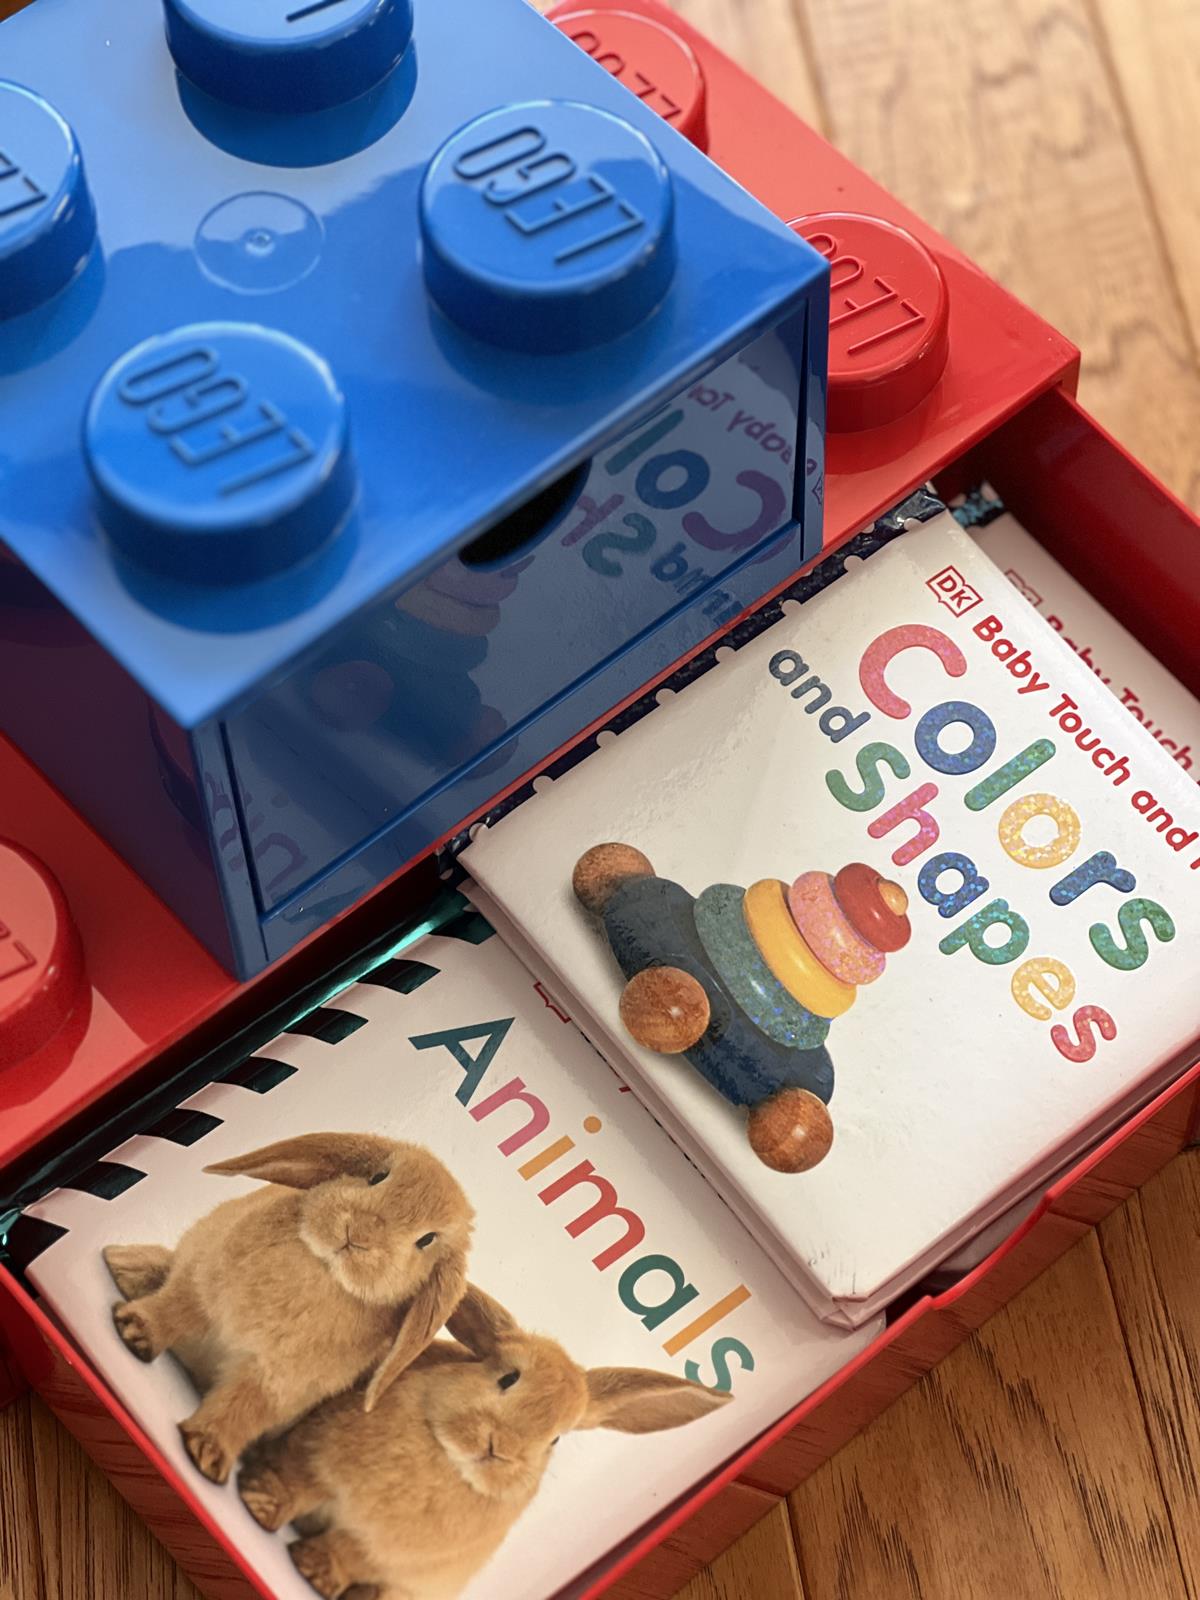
<point>41,957</point>
<point>287,55</point>
<point>651,60</point>
<point>219,453</point>
<point>548,226</point>
<point>47,221</point>
<point>889,318</point>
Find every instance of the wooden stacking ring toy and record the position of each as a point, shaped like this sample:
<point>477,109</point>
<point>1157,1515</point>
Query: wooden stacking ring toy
<point>788,956</point>
<point>875,906</point>
<point>829,933</point>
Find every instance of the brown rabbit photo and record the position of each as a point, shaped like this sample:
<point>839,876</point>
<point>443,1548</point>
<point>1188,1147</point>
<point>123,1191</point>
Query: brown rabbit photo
<point>336,1273</point>
<point>410,1501</point>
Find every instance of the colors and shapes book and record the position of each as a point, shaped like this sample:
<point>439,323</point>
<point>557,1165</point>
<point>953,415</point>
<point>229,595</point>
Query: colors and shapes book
<point>420,1299</point>
<point>883,916</point>
<point>1143,685</point>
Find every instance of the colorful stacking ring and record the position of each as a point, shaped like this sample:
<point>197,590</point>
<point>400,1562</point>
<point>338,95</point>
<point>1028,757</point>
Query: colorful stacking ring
<point>729,946</point>
<point>875,906</point>
<point>785,952</point>
<point>828,931</point>
<point>650,921</point>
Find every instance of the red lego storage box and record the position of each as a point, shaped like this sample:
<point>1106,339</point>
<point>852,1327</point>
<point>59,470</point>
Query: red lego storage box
<point>935,372</point>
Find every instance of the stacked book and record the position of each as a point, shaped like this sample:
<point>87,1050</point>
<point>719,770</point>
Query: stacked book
<point>884,917</point>
<point>805,982</point>
<point>427,1305</point>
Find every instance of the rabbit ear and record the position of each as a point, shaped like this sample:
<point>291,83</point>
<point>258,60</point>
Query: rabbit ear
<point>310,1159</point>
<point>636,1400</point>
<point>480,1322</point>
<point>427,1311</point>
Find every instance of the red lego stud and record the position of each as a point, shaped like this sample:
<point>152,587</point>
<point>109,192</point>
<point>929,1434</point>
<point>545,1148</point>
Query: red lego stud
<point>41,958</point>
<point>889,318</point>
<point>649,59</point>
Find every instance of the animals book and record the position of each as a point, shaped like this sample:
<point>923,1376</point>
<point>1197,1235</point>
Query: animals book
<point>883,916</point>
<point>419,1299</point>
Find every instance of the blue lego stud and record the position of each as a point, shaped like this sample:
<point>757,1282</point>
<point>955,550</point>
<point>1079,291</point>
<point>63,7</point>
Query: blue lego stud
<point>47,221</point>
<point>220,453</point>
<point>548,226</point>
<point>288,55</point>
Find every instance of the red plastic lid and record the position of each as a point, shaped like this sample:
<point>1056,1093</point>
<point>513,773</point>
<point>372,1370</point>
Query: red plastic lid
<point>654,63</point>
<point>889,318</point>
<point>41,957</point>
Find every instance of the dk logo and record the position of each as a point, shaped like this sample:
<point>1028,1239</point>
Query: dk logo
<point>953,591</point>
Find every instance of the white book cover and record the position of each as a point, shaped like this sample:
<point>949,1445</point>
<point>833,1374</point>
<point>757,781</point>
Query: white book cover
<point>1143,685</point>
<point>439,1126</point>
<point>883,916</point>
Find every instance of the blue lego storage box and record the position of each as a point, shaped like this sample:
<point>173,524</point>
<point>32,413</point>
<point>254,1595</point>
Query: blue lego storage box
<point>385,394</point>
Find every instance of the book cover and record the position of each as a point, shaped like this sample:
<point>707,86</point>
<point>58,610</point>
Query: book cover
<point>421,1300</point>
<point>1143,685</point>
<point>883,916</point>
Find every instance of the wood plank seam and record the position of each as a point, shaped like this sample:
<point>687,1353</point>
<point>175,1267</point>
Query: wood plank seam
<point>1141,168</point>
<point>808,49</point>
<point>1169,1422</point>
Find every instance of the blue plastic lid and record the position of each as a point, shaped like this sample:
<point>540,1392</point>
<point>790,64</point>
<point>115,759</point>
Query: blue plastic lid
<point>548,226</point>
<point>287,55</point>
<point>220,453</point>
<point>47,221</point>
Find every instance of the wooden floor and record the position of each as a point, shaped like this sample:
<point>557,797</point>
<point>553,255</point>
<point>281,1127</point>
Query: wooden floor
<point>1058,1454</point>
